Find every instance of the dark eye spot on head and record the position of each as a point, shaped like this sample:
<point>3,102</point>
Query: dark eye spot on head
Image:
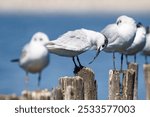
<point>119,22</point>
<point>103,45</point>
<point>41,39</point>
<point>139,25</point>
<point>106,40</point>
<point>35,39</point>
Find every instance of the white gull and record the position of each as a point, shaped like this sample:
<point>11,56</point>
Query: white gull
<point>138,43</point>
<point>120,35</point>
<point>146,49</point>
<point>34,56</point>
<point>74,43</point>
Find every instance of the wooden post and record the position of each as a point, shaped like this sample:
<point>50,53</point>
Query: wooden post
<point>147,79</point>
<point>122,88</point>
<point>128,84</point>
<point>90,84</point>
<point>72,88</point>
<point>36,95</point>
<point>56,94</point>
<point>114,85</point>
<point>9,97</point>
<point>134,66</point>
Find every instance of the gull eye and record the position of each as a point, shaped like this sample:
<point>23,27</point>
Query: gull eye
<point>41,39</point>
<point>103,45</point>
<point>119,22</point>
<point>35,39</point>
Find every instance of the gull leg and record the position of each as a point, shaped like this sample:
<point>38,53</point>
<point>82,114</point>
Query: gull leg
<point>114,61</point>
<point>79,63</point>
<point>146,61</point>
<point>77,68</point>
<point>39,79</point>
<point>121,62</point>
<point>127,62</point>
<point>26,79</point>
<point>135,58</point>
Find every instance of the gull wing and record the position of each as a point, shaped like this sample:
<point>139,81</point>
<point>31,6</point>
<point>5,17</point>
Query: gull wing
<point>72,40</point>
<point>24,54</point>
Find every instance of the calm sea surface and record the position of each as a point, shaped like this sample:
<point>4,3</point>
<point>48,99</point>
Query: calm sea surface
<point>17,30</point>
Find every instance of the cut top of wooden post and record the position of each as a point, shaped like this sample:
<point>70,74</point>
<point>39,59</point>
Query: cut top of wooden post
<point>114,85</point>
<point>86,73</point>
<point>90,84</point>
<point>82,86</point>
<point>134,66</point>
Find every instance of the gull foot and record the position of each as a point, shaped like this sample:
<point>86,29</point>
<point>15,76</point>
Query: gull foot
<point>77,69</point>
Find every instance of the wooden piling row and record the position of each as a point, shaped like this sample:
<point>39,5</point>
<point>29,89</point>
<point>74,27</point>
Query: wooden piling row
<point>125,87</point>
<point>122,85</point>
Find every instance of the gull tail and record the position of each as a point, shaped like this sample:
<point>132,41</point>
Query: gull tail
<point>14,60</point>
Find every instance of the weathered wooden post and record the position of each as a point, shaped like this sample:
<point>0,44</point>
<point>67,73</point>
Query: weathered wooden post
<point>134,66</point>
<point>83,86</point>
<point>114,85</point>
<point>72,88</point>
<point>128,84</point>
<point>9,97</point>
<point>147,79</point>
<point>56,94</point>
<point>90,84</point>
<point>123,84</point>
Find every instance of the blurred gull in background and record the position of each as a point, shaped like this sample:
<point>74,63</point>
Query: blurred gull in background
<point>34,56</point>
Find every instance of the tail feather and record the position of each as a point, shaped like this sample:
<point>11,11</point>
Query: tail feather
<point>15,60</point>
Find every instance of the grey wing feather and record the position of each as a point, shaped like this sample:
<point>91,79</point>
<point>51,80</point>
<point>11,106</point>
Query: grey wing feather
<point>72,40</point>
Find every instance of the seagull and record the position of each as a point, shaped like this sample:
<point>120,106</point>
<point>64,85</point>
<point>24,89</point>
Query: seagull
<point>74,43</point>
<point>120,36</point>
<point>138,43</point>
<point>146,50</point>
<point>34,56</point>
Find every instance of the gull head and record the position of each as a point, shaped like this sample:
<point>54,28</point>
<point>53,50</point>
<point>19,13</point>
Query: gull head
<point>141,29</point>
<point>125,20</point>
<point>40,38</point>
<point>139,24</point>
<point>101,43</point>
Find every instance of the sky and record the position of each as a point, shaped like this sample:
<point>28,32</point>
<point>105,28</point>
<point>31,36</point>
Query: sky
<point>78,6</point>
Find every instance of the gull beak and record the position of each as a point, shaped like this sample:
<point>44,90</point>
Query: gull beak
<point>97,53</point>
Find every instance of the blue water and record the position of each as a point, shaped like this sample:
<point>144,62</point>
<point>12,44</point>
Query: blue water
<point>16,30</point>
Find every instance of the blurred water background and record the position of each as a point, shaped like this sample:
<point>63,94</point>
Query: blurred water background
<point>16,29</point>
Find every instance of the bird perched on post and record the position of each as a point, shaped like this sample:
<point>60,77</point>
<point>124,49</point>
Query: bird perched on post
<point>73,43</point>
<point>34,56</point>
<point>138,43</point>
<point>146,49</point>
<point>120,35</point>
